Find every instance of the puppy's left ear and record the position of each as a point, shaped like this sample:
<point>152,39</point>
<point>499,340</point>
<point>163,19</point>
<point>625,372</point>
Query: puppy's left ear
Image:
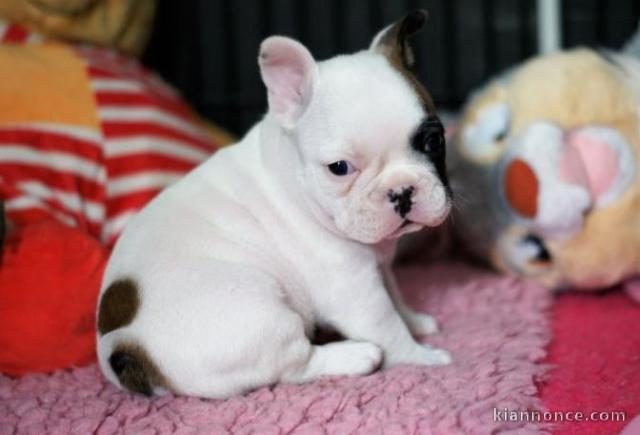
<point>290,73</point>
<point>393,40</point>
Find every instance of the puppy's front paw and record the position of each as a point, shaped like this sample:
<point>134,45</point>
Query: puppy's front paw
<point>437,357</point>
<point>421,324</point>
<point>420,355</point>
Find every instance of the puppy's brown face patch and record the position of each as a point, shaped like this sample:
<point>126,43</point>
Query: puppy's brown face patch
<point>394,45</point>
<point>118,306</point>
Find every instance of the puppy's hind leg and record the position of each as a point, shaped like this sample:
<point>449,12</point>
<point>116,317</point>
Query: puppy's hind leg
<point>335,359</point>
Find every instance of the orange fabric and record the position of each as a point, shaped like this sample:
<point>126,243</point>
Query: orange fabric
<point>58,93</point>
<point>521,187</point>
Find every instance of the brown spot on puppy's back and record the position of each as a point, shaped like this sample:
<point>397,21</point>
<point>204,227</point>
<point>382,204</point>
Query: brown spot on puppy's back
<point>118,306</point>
<point>135,369</point>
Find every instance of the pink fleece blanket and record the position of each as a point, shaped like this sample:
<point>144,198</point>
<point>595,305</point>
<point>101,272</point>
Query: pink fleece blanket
<point>495,327</point>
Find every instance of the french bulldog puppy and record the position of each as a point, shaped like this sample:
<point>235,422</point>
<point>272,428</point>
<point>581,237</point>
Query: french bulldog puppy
<point>215,288</point>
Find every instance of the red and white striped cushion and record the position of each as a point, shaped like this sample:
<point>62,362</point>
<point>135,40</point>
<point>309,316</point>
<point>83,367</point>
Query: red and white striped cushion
<point>97,180</point>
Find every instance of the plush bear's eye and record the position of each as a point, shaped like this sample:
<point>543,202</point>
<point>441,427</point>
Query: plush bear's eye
<point>541,253</point>
<point>483,140</point>
<point>500,136</point>
<point>341,167</point>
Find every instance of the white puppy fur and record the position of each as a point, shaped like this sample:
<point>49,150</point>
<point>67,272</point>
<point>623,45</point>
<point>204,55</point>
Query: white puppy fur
<point>233,267</point>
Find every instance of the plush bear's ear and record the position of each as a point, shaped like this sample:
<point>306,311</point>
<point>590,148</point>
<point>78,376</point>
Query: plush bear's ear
<point>290,73</point>
<point>392,41</point>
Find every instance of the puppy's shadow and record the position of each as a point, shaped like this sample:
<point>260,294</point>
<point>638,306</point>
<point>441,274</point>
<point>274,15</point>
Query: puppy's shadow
<point>324,335</point>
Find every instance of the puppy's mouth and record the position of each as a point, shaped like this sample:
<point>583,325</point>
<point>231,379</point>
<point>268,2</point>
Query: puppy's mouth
<point>407,226</point>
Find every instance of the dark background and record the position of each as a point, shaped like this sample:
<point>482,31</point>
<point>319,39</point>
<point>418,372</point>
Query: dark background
<point>208,48</point>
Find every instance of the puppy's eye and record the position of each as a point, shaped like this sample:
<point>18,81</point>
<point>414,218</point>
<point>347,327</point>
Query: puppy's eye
<point>429,139</point>
<point>434,144</point>
<point>341,167</point>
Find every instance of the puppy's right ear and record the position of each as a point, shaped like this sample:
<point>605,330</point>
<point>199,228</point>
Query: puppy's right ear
<point>393,40</point>
<point>290,73</point>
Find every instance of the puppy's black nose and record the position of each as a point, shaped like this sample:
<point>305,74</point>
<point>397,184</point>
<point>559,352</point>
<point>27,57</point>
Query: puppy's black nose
<point>402,200</point>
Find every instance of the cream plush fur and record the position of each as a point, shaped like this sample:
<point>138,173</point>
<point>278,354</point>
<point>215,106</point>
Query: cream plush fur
<point>236,264</point>
<point>572,118</point>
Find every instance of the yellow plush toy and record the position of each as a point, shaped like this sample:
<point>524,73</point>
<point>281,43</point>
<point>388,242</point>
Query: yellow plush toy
<point>545,168</point>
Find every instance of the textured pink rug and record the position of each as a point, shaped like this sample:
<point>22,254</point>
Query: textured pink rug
<point>495,327</point>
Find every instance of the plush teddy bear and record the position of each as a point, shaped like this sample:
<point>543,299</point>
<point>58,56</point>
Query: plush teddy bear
<point>544,167</point>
